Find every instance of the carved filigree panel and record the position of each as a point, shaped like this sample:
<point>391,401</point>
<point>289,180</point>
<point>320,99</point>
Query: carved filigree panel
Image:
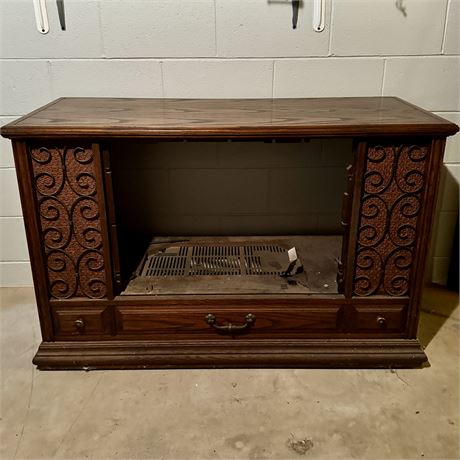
<point>65,181</point>
<point>391,202</point>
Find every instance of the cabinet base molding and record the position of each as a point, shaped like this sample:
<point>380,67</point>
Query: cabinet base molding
<point>333,353</point>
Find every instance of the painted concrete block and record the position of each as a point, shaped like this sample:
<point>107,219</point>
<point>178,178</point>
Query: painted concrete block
<point>149,187</point>
<point>157,28</point>
<point>6,151</point>
<point>219,191</point>
<point>15,274</point>
<point>331,77</point>
<point>218,78</point>
<point>450,187</point>
<point>269,155</point>
<point>378,27</point>
<point>254,28</point>
<point>445,233</point>
<point>13,244</point>
<point>10,204</point>
<point>301,190</point>
<point>106,78</point>
<point>452,151</point>
<point>430,82</point>
<point>271,224</point>
<point>25,86</point>
<point>164,155</point>
<point>452,39</point>
<point>440,270</point>
<point>21,39</point>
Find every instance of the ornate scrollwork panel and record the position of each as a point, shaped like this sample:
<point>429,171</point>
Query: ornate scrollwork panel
<point>391,202</point>
<point>65,181</point>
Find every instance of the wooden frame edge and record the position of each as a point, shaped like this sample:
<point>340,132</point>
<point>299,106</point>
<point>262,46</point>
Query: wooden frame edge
<point>33,231</point>
<point>339,353</point>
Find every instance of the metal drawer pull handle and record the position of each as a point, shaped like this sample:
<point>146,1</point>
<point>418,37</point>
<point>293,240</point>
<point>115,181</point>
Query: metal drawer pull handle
<point>382,322</point>
<point>79,324</point>
<point>212,321</point>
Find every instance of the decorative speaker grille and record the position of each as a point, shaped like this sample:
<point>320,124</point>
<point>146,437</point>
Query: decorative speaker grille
<point>208,260</point>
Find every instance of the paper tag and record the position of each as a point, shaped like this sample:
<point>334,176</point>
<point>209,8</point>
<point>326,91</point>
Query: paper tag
<point>292,254</point>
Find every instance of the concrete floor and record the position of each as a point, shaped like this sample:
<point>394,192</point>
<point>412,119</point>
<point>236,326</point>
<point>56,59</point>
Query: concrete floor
<point>230,414</point>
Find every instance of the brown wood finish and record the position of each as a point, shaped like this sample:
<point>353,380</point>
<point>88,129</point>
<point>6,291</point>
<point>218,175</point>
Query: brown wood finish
<point>339,353</point>
<point>81,323</point>
<point>85,323</point>
<point>33,234</point>
<point>269,322</point>
<point>379,318</point>
<point>111,222</point>
<point>108,255</point>
<point>351,234</point>
<point>211,118</point>
<point>174,318</point>
<point>426,218</point>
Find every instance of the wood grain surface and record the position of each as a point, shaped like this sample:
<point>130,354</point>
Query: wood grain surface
<point>363,353</point>
<point>217,118</point>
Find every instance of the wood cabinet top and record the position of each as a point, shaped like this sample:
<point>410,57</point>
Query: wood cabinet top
<point>228,118</point>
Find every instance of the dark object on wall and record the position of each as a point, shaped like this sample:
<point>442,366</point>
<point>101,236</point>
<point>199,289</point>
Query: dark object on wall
<point>61,13</point>
<point>453,274</point>
<point>295,13</point>
<point>80,252</point>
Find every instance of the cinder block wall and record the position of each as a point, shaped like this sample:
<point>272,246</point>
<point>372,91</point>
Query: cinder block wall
<point>228,48</point>
<point>230,188</point>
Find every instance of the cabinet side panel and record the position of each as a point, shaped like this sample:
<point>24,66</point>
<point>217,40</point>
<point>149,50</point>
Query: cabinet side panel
<point>69,196</point>
<point>33,233</point>
<point>112,228</point>
<point>355,175</point>
<point>429,197</point>
<point>391,213</point>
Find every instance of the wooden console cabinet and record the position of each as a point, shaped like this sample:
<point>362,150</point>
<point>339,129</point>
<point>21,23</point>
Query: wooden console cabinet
<point>63,163</point>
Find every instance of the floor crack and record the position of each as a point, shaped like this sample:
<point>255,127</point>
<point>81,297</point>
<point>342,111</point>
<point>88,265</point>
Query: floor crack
<point>78,415</point>
<point>27,413</point>
<point>394,371</point>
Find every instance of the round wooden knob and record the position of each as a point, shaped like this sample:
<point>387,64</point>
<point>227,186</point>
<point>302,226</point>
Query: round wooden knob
<point>382,322</point>
<point>79,324</point>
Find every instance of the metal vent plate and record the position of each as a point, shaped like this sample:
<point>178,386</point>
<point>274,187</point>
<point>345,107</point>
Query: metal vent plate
<point>209,260</point>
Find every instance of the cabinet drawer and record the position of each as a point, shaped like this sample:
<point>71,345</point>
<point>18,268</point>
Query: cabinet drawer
<point>78,322</point>
<point>389,318</point>
<point>215,322</point>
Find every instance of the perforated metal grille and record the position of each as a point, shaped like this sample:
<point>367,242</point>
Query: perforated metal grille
<point>167,263</point>
<point>217,260</point>
<point>253,259</point>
